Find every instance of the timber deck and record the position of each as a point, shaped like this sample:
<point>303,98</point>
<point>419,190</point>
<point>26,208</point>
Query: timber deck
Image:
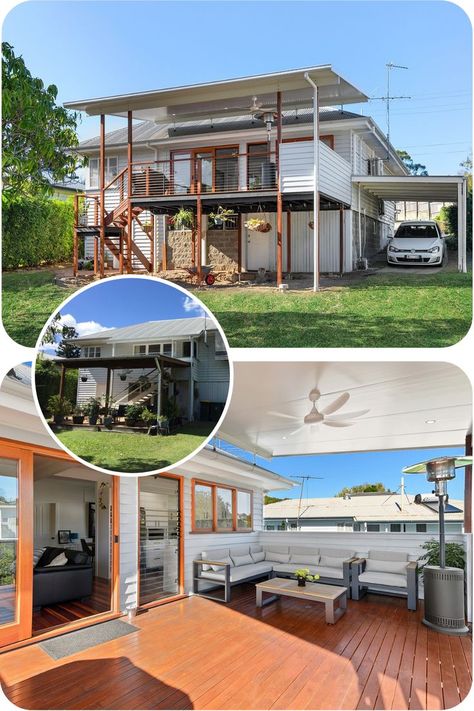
<point>199,654</point>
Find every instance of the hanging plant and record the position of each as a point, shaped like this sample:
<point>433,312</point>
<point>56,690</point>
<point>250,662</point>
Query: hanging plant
<point>257,224</point>
<point>222,216</point>
<point>103,486</point>
<point>182,220</point>
<point>311,225</point>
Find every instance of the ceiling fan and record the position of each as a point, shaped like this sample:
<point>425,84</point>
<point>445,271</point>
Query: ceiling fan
<point>324,415</point>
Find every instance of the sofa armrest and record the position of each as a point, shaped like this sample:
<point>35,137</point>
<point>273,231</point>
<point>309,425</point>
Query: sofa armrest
<point>412,585</point>
<point>208,561</point>
<point>60,569</point>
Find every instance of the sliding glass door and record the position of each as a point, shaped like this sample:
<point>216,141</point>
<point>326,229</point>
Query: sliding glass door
<point>16,556</point>
<point>160,550</point>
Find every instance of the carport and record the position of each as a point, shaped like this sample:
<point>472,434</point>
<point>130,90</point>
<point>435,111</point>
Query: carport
<point>430,188</point>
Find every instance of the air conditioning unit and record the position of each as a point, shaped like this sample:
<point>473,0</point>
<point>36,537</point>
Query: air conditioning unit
<point>375,166</point>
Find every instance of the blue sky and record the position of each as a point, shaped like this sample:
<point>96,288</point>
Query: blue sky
<point>101,48</point>
<point>339,470</point>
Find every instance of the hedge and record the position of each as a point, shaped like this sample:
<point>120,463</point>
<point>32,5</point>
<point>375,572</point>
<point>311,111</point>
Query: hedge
<point>47,379</point>
<point>36,231</point>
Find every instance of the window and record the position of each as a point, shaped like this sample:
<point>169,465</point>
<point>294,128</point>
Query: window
<point>220,508</point>
<point>195,349</point>
<point>111,170</point>
<point>139,350</point>
<point>395,527</point>
<point>187,349</point>
<point>167,349</point>
<point>220,348</point>
<point>373,527</point>
<point>154,348</point>
<point>260,170</point>
<point>91,351</point>
<point>421,527</point>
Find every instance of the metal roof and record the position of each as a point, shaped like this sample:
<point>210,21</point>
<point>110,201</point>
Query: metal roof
<point>151,331</point>
<point>372,507</point>
<point>231,95</point>
<point>443,188</point>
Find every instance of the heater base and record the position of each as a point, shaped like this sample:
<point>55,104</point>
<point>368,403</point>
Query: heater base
<point>459,632</point>
<point>444,600</point>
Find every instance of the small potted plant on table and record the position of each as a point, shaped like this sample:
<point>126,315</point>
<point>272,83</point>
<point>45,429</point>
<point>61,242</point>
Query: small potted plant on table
<point>302,575</point>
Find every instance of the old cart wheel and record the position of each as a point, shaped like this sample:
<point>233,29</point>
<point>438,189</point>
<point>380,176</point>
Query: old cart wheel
<point>210,279</point>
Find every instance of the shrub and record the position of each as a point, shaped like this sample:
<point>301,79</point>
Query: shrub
<point>59,406</point>
<point>455,555</point>
<point>36,231</point>
<point>47,383</point>
<point>7,558</point>
<point>133,413</point>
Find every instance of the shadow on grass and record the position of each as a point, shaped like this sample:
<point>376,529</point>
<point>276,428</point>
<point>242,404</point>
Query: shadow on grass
<point>290,329</point>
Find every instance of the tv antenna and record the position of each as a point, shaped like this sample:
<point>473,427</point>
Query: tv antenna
<point>302,479</point>
<point>388,98</point>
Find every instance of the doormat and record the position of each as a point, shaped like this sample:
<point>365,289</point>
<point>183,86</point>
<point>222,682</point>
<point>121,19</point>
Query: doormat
<point>78,641</point>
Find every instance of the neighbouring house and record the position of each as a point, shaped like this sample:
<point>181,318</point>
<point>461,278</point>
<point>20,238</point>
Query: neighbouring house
<point>406,210</point>
<point>182,361</point>
<point>387,513</point>
<point>245,146</point>
<point>66,191</point>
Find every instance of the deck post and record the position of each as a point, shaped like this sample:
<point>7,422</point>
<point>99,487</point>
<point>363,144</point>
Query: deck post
<point>62,381</point>
<point>239,242</point>
<point>468,487</point>
<point>341,240</point>
<point>193,247</point>
<point>76,236</point>
<point>107,391</point>
<point>199,233</point>
<point>129,192</point>
<point>288,241</point>
<point>164,248</point>
<point>152,241</point>
<point>315,182</point>
<point>279,196</point>
<point>102,195</point>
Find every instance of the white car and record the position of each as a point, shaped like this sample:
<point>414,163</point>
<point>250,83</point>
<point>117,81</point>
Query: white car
<point>420,243</point>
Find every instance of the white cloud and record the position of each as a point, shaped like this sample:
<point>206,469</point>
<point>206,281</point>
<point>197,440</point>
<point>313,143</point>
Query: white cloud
<point>83,328</point>
<point>192,306</point>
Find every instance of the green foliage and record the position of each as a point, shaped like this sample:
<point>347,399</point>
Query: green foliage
<point>455,555</point>
<point>36,231</point>
<point>304,574</point>
<point>47,378</point>
<point>134,412</point>
<point>170,409</point>
<point>448,215</point>
<point>37,135</point>
<point>272,499</point>
<point>7,558</point>
<point>413,168</point>
<point>59,406</point>
<point>91,408</point>
<point>183,219</point>
<point>364,489</point>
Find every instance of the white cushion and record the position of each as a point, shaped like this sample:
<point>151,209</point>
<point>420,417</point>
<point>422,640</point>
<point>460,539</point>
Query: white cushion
<point>277,557</point>
<point>276,549</point>
<point>239,550</point>
<point>304,550</point>
<point>386,566</point>
<point>37,553</point>
<point>289,568</point>
<point>257,556</point>
<point>388,555</point>
<point>240,573</point>
<point>388,579</point>
<point>343,553</point>
<point>327,572</point>
<point>216,554</point>
<point>221,567</point>
<point>255,548</point>
<point>239,560</point>
<point>309,559</point>
<point>56,562</point>
<point>328,562</point>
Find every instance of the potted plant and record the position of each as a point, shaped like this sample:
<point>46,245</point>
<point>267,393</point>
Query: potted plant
<point>302,575</point>
<point>221,217</point>
<point>257,224</point>
<point>149,418</point>
<point>78,415</point>
<point>91,409</point>
<point>455,555</point>
<point>84,378</point>
<point>182,220</point>
<point>147,227</point>
<point>59,408</point>
<point>133,414</point>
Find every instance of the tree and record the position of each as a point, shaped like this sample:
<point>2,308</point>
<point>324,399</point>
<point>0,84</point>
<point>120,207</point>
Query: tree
<point>366,488</point>
<point>413,168</point>
<point>448,215</point>
<point>58,329</point>
<point>272,499</point>
<point>37,134</point>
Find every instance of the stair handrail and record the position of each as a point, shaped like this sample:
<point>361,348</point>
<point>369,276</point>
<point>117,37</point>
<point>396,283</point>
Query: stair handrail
<point>122,394</point>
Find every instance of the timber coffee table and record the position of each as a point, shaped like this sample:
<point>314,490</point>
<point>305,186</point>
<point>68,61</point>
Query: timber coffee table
<point>333,597</point>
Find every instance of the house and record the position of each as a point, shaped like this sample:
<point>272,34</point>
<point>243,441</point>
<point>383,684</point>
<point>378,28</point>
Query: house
<point>374,512</point>
<point>246,146</point>
<point>183,361</point>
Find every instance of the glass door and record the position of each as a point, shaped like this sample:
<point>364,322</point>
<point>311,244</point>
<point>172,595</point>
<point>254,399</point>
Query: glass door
<point>16,547</point>
<point>204,161</point>
<point>159,551</point>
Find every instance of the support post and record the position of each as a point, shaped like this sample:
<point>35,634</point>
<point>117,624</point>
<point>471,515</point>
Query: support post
<point>288,241</point>
<point>102,195</point>
<point>107,391</point>
<point>158,392</point>
<point>76,235</point>
<point>152,241</point>
<point>239,242</point>
<point>121,251</point>
<point>341,240</point>
<point>62,381</point>
<point>164,249</point>
<point>199,233</point>
<point>315,183</point>
<point>468,488</point>
<point>96,255</point>
<point>129,192</point>
<point>279,195</point>
<point>191,391</point>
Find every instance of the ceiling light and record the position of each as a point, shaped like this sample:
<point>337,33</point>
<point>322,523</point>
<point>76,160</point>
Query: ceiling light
<point>430,422</point>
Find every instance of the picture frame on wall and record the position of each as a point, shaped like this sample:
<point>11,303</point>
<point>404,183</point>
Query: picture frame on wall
<point>64,537</point>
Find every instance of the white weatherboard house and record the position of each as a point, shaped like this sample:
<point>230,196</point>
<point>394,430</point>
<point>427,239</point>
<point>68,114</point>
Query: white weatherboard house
<point>371,513</point>
<point>141,533</point>
<point>185,360</point>
<point>268,147</point>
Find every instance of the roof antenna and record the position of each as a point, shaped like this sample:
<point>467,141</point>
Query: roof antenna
<point>388,98</point>
<point>302,479</point>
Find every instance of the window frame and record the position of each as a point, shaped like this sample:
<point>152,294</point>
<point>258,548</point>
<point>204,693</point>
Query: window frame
<point>214,486</point>
<point>88,353</point>
<point>95,184</point>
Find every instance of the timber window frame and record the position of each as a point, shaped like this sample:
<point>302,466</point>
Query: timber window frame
<point>214,527</point>
<point>111,170</point>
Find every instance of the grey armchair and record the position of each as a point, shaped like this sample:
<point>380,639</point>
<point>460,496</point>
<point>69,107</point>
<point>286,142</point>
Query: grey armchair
<point>386,572</point>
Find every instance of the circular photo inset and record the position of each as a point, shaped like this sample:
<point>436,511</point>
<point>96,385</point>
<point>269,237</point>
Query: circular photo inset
<point>132,375</point>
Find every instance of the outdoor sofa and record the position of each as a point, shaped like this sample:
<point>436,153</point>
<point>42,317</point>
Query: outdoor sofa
<point>388,572</point>
<point>237,564</point>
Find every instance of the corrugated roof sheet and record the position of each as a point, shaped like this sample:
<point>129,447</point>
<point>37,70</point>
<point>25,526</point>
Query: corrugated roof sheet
<point>378,507</point>
<point>171,328</point>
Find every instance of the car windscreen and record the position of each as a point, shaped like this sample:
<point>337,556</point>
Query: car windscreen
<point>417,231</point>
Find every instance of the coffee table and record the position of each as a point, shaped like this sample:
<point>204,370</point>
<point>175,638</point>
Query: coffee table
<point>333,597</point>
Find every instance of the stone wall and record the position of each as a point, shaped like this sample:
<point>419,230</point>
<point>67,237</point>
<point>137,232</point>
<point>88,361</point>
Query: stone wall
<point>179,249</point>
<point>222,249</point>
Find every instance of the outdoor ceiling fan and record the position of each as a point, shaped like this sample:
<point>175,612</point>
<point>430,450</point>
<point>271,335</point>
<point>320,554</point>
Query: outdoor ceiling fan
<point>324,415</point>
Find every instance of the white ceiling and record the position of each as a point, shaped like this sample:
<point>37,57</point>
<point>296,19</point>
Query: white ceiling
<point>409,187</point>
<point>401,397</point>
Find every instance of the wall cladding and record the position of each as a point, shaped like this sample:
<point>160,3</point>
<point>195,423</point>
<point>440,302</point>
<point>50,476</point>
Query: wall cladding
<point>179,249</point>
<point>222,249</point>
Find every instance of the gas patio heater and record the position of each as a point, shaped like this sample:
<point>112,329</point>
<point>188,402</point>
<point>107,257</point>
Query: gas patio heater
<point>444,586</point>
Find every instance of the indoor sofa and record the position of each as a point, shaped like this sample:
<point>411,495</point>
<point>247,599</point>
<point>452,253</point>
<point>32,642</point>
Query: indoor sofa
<point>72,581</point>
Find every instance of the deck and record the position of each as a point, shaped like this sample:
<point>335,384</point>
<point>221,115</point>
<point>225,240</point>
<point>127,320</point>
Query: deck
<point>199,654</point>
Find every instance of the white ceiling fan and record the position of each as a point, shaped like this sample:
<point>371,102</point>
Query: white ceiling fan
<point>324,415</point>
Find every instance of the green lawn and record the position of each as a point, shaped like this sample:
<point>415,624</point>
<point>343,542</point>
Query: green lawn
<point>408,311</point>
<point>134,452</point>
<point>29,298</point>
